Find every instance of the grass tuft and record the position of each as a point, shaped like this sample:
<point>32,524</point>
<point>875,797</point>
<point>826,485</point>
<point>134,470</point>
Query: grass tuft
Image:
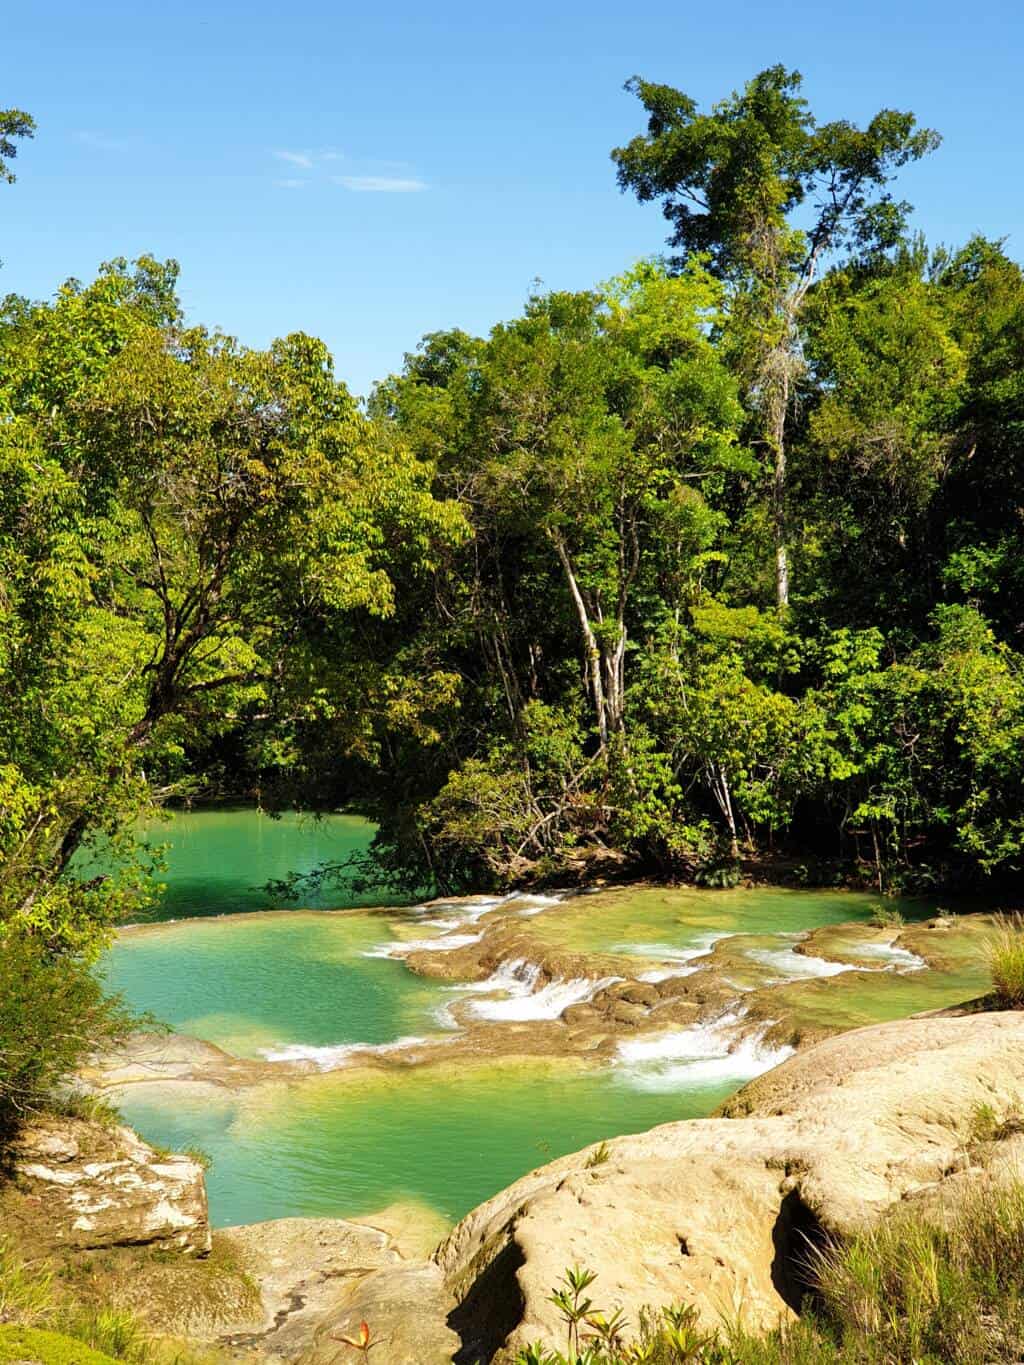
<point>1006,961</point>
<point>926,1286</point>
<point>886,917</point>
<point>598,1156</point>
<point>82,1104</point>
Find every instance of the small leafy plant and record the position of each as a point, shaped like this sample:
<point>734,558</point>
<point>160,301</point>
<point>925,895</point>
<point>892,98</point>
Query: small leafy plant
<point>886,917</point>
<point>598,1156</point>
<point>362,1342</point>
<point>568,1298</point>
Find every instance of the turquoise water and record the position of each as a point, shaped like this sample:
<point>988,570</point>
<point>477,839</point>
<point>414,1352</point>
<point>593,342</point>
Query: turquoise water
<point>219,861</point>
<point>254,982</point>
<point>446,1138</point>
<point>352,1140</point>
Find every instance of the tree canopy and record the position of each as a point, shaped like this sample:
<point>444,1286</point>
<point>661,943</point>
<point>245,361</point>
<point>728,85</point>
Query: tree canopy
<point>767,194</point>
<point>717,559</point>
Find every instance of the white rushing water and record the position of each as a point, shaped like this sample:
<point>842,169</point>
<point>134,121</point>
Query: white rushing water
<point>450,916</point>
<point>892,956</point>
<point>703,1054</point>
<point>517,997</point>
<point>678,961</point>
<point>707,1053</point>
<point>331,1057</point>
<point>446,943</point>
<point>793,966</point>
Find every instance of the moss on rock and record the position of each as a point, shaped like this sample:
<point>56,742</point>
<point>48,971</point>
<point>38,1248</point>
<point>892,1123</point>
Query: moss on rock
<point>32,1344</point>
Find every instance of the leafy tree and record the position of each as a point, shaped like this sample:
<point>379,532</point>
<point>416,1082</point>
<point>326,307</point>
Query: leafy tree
<point>880,436</point>
<point>181,522</point>
<point>53,1013</point>
<point>14,124</point>
<point>767,193</point>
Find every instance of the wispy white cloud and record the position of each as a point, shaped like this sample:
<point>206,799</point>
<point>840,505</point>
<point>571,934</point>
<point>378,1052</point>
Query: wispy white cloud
<point>380,184</point>
<point>376,177</point>
<point>304,160</point>
<point>102,142</point>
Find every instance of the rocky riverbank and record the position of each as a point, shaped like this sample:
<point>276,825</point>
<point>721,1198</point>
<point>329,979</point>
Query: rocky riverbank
<point>715,1212</point>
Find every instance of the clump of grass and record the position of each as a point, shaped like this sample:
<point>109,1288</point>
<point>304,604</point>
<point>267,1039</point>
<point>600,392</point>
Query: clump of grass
<point>25,1296</point>
<point>984,1124</point>
<point>1006,961</point>
<point>986,1128</point>
<point>935,1288</point>
<point>82,1104</point>
<point>598,1156</point>
<point>38,1305</point>
<point>199,1155</point>
<point>112,1331</point>
<point>886,917</point>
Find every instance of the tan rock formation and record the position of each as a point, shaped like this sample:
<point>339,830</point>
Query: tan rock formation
<point>80,1185</point>
<point>717,1212</point>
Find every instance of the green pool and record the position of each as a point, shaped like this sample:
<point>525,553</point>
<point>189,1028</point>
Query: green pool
<point>353,1140</point>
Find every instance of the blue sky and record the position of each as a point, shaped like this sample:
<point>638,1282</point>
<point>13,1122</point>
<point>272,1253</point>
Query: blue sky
<point>372,172</point>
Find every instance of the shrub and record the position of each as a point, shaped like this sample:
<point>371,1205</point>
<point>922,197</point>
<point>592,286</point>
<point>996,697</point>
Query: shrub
<point>886,917</point>
<point>1006,962</point>
<point>53,1013</point>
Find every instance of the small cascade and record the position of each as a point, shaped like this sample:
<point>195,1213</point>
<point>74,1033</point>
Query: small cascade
<point>702,1055</point>
<point>330,1058</point>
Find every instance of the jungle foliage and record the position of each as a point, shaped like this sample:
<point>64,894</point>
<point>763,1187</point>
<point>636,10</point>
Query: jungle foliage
<point>719,558</point>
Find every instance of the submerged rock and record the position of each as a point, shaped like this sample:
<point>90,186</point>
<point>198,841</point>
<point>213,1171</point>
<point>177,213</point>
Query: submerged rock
<point>159,1058</point>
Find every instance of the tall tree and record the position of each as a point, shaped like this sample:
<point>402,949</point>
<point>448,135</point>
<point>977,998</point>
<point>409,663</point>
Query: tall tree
<point>767,194</point>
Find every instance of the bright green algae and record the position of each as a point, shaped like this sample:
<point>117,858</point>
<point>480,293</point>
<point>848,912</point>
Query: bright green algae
<point>448,1134</point>
<point>958,972</point>
<point>684,917</point>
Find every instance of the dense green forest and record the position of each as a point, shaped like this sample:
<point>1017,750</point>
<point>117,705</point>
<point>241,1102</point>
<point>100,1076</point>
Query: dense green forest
<point>718,560</point>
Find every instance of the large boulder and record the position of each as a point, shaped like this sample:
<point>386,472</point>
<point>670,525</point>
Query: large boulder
<point>718,1213</point>
<point>81,1185</point>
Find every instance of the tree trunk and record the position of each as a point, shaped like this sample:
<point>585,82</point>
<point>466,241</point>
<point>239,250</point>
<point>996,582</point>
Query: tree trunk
<point>720,786</point>
<point>779,523</point>
<point>614,666</point>
<point>778,406</point>
<point>595,671</point>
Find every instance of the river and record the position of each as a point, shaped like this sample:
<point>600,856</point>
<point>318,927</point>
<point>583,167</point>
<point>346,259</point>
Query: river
<point>449,1128</point>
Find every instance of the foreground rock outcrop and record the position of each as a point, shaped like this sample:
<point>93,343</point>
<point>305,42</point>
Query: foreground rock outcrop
<point>714,1212</point>
<point>319,1278</point>
<point>718,1212</point>
<point>79,1185</point>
